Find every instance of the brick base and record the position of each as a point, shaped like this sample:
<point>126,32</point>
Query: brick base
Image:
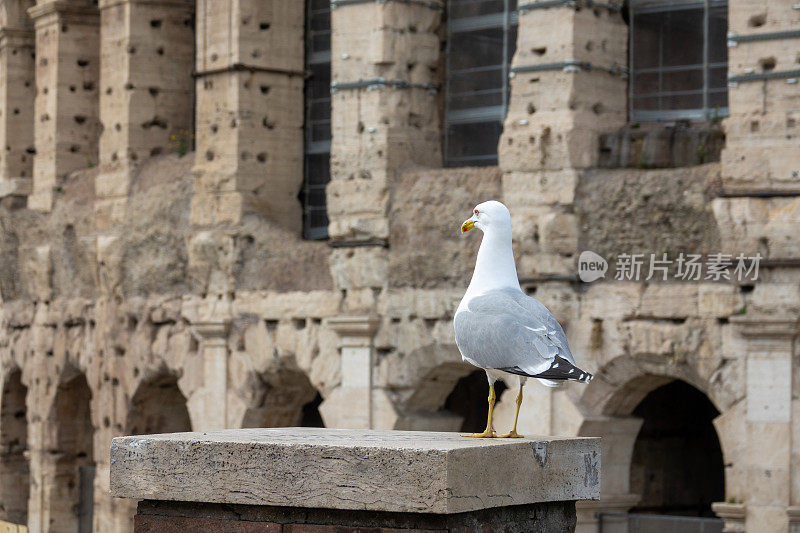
<point>179,517</point>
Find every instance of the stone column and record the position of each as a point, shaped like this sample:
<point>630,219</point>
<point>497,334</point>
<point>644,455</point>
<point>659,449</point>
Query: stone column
<point>146,92</point>
<point>66,125</point>
<point>772,449</point>
<point>732,514</point>
<point>209,406</point>
<point>17,55</point>
<point>384,109</point>
<point>618,438</point>
<point>351,404</point>
<point>568,87</point>
<point>761,131</point>
<point>249,111</point>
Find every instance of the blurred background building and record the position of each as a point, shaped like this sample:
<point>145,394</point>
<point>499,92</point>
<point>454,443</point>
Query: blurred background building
<point>245,213</point>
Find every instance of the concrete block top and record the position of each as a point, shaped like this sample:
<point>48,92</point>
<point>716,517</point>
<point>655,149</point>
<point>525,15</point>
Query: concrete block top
<point>394,471</point>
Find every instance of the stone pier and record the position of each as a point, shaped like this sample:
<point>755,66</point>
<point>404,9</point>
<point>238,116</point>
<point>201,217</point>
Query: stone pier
<point>304,480</point>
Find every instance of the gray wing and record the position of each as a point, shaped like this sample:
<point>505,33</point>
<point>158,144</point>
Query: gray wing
<point>505,329</point>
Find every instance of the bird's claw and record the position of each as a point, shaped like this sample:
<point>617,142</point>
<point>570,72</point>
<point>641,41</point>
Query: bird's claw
<point>511,435</point>
<point>487,434</point>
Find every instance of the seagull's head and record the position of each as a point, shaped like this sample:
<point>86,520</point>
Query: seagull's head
<point>488,215</point>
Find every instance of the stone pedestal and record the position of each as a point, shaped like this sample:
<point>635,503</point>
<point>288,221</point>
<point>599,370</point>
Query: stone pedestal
<point>307,479</point>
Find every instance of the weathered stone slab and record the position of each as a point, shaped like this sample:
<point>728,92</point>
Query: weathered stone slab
<point>395,471</point>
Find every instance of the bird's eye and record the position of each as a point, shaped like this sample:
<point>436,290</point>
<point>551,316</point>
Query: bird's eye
<point>476,212</point>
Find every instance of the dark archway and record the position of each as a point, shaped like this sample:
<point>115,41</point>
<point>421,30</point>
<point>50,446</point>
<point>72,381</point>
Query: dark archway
<point>158,406</point>
<point>14,469</point>
<point>69,468</point>
<point>283,399</point>
<point>469,400</point>
<point>677,464</point>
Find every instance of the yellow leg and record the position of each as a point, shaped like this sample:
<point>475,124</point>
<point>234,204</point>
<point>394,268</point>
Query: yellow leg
<point>513,434</point>
<point>489,431</point>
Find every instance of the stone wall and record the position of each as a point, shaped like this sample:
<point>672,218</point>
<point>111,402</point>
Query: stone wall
<point>169,288</point>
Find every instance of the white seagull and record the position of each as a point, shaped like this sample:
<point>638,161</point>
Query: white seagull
<point>501,329</point>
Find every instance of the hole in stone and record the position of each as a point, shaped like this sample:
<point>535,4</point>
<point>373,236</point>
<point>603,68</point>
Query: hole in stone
<point>214,128</point>
<point>114,156</point>
<point>74,148</point>
<point>299,323</point>
<point>46,90</point>
<point>155,122</point>
<point>131,49</point>
<point>83,63</point>
<point>757,20</point>
<point>264,89</point>
<point>155,23</point>
<point>80,119</point>
<point>155,151</point>
<point>16,111</point>
<point>129,86</point>
<point>790,122</point>
<point>88,86</point>
<point>262,157</point>
<point>767,63</point>
<point>267,124</point>
<point>360,127</point>
<point>214,57</point>
<point>118,126</point>
<point>539,51</point>
<point>245,156</point>
<point>153,91</point>
<point>263,26</point>
<point>597,108</point>
<point>160,50</point>
<point>209,155</point>
<point>754,126</point>
<point>109,90</point>
<point>43,62</point>
<point>233,123</point>
<point>531,109</point>
<point>256,52</point>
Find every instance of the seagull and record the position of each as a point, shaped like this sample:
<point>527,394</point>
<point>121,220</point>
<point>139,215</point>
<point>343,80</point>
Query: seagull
<point>501,329</point>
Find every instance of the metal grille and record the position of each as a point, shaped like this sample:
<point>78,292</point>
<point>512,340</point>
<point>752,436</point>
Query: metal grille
<point>652,523</point>
<point>318,119</point>
<point>481,40</point>
<point>679,60</point>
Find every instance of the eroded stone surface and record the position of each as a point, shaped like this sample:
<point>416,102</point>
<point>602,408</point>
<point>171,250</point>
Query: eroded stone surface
<point>422,472</point>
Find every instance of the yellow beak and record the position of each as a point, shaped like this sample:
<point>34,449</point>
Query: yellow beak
<point>467,225</point>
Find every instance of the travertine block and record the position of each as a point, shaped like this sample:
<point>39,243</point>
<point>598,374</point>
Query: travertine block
<point>421,472</point>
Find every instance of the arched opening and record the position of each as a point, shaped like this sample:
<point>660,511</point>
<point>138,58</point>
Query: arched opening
<point>14,470</point>
<point>468,400</point>
<point>284,399</point>
<point>158,406</point>
<point>677,464</point>
<point>69,465</point>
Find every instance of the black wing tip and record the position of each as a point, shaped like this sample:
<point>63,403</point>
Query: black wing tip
<point>560,370</point>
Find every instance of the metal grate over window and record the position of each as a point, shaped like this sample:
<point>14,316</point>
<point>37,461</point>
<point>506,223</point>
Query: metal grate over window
<point>318,119</point>
<point>679,60</point>
<point>481,40</point>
